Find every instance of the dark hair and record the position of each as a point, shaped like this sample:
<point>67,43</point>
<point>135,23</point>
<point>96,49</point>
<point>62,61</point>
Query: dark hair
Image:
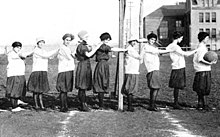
<point>105,36</point>
<point>16,44</point>
<point>177,35</point>
<point>68,35</point>
<point>40,41</point>
<point>130,41</point>
<point>151,35</point>
<point>202,36</point>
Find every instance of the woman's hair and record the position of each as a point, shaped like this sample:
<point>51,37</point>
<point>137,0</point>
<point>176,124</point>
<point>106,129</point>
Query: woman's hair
<point>202,36</point>
<point>105,36</point>
<point>130,41</point>
<point>68,35</point>
<point>151,35</point>
<point>16,44</point>
<point>177,35</point>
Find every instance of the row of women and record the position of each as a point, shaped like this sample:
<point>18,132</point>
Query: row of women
<point>38,81</point>
<point>99,82</point>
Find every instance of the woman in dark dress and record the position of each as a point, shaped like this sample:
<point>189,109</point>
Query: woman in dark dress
<point>83,81</point>
<point>101,73</point>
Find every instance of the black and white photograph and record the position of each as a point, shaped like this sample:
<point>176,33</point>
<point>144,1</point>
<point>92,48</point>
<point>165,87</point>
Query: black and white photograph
<point>110,68</point>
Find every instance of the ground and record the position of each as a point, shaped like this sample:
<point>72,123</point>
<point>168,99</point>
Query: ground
<point>166,123</point>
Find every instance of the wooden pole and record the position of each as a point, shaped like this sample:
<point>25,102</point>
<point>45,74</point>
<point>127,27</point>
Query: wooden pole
<point>141,22</point>
<point>116,78</point>
<point>121,55</point>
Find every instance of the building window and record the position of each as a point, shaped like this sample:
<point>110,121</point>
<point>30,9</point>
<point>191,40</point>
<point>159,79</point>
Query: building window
<point>194,2</point>
<point>203,3</point>
<point>207,17</point>
<point>201,30</point>
<point>213,16</point>
<point>208,46</point>
<point>164,23</point>
<point>213,3</point>
<point>214,46</point>
<point>208,31</point>
<point>207,3</point>
<point>201,18</point>
<point>213,32</point>
<point>164,30</point>
<point>178,23</point>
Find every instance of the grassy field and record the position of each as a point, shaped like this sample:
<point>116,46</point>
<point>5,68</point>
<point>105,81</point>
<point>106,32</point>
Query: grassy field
<point>113,123</point>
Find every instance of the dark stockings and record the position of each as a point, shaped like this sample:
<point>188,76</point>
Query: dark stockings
<point>153,96</point>
<point>38,96</point>
<point>101,100</point>
<point>14,102</point>
<point>176,95</point>
<point>82,99</point>
<point>201,101</point>
<point>130,100</point>
<point>63,101</point>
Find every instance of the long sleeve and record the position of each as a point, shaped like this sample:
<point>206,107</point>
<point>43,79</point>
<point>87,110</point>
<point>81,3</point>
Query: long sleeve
<point>45,54</point>
<point>65,53</point>
<point>133,53</point>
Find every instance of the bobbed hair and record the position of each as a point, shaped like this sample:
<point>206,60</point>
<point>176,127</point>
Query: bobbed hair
<point>16,44</point>
<point>202,36</point>
<point>68,35</point>
<point>151,35</point>
<point>105,36</point>
<point>177,35</point>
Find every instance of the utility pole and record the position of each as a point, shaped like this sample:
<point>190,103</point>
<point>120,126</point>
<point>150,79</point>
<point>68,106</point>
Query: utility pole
<point>122,5</point>
<point>127,30</point>
<point>130,6</point>
<point>141,22</point>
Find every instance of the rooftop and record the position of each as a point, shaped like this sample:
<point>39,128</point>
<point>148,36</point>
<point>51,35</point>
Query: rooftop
<point>168,10</point>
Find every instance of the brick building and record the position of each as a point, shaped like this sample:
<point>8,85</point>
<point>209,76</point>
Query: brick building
<point>164,21</point>
<point>190,17</point>
<point>203,15</point>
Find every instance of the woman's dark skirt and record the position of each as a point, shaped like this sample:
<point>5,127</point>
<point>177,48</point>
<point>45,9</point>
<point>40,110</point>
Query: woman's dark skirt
<point>178,78</point>
<point>153,79</point>
<point>38,82</point>
<point>65,81</point>
<point>83,75</point>
<point>101,77</point>
<point>130,85</point>
<point>202,83</point>
<point>16,87</point>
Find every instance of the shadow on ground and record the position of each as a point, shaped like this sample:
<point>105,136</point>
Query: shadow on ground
<point>52,102</point>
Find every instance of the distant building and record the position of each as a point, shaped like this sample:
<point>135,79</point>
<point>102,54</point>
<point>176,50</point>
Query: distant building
<point>203,15</point>
<point>189,17</point>
<point>164,21</point>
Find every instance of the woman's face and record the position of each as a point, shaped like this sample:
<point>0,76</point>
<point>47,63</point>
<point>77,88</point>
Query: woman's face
<point>41,43</point>
<point>86,37</point>
<point>152,41</point>
<point>206,39</point>
<point>67,41</point>
<point>89,47</point>
<point>180,39</point>
<point>17,49</point>
<point>134,43</point>
<point>106,41</point>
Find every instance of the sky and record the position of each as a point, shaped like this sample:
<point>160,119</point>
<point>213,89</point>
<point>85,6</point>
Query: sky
<point>25,20</point>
